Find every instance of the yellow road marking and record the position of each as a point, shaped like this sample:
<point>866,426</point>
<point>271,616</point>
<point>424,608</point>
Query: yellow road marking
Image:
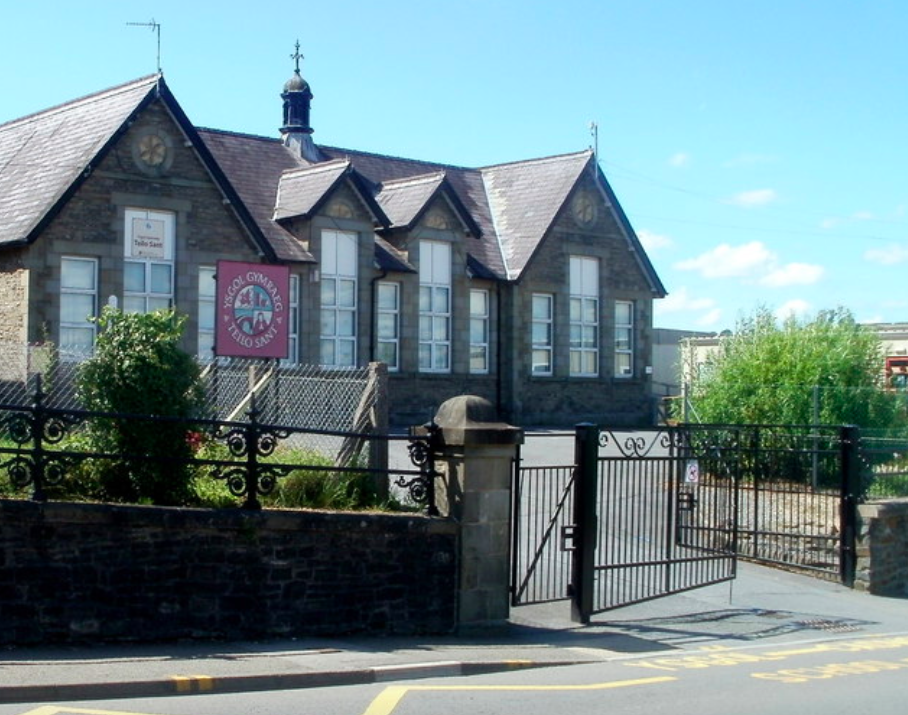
<point>185,683</point>
<point>391,696</point>
<point>55,710</point>
<point>712,656</point>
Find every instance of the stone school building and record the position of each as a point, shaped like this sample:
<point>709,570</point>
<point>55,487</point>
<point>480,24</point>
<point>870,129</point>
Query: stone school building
<point>523,283</point>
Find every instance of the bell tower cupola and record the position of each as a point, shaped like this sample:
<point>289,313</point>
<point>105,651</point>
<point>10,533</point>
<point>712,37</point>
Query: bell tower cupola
<point>297,96</point>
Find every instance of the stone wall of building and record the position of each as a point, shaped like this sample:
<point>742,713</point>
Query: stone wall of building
<point>560,399</point>
<point>92,225</point>
<point>882,548</point>
<point>14,306</point>
<point>72,572</point>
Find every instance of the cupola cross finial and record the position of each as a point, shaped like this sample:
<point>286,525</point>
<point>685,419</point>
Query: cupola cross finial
<point>297,56</point>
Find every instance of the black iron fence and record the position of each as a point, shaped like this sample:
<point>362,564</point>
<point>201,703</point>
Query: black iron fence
<point>794,488</point>
<point>42,445</point>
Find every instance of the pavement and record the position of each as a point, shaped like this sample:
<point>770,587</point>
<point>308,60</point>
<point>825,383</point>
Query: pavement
<point>761,605</point>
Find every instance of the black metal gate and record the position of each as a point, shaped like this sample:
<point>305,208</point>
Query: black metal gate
<point>626,523</point>
<point>646,513</point>
<point>659,530</point>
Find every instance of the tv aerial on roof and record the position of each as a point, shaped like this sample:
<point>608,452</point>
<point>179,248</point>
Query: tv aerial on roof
<point>156,28</point>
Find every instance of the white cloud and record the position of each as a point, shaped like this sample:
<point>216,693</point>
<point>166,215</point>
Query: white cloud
<point>830,222</point>
<point>862,216</point>
<point>681,299</point>
<point>751,199</point>
<point>680,159</point>
<point>796,307</point>
<point>753,262</point>
<point>887,255</point>
<point>653,242</point>
<point>725,261</point>
<point>793,274</point>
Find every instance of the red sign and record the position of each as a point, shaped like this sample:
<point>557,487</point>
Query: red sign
<point>253,310</point>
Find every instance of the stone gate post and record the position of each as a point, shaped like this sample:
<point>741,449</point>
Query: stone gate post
<point>476,463</point>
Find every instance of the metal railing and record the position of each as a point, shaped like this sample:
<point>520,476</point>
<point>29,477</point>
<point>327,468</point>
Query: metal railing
<point>36,455</point>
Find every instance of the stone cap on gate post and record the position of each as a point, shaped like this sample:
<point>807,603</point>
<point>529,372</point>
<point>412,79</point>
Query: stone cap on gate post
<point>472,420</point>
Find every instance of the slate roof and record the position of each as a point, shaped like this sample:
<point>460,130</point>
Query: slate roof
<point>301,190</point>
<point>378,169</point>
<point>404,199</point>
<point>254,166</point>
<point>525,197</point>
<point>44,155</point>
<point>508,208</point>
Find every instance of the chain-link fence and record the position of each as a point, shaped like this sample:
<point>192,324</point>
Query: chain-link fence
<point>307,397</point>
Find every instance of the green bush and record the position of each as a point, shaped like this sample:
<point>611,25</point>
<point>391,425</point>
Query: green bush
<point>139,369</point>
<point>768,372</point>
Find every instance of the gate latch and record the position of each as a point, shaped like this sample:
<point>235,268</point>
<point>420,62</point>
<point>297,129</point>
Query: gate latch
<point>569,533</point>
<point>687,501</point>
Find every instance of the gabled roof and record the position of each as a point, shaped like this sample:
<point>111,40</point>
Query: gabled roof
<point>45,155</point>
<point>406,200</point>
<point>509,208</point>
<point>525,197</point>
<point>302,192</point>
<point>465,183</point>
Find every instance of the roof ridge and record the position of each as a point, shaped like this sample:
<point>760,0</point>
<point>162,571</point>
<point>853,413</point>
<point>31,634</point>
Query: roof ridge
<point>331,164</point>
<point>414,180</point>
<point>360,152</point>
<point>242,135</point>
<point>540,160</point>
<point>79,101</point>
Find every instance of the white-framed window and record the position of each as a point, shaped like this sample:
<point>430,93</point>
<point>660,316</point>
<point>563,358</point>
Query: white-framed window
<point>206,312</point>
<point>542,332</point>
<point>78,303</point>
<point>584,314</point>
<point>293,328</point>
<point>624,338</point>
<point>434,306</point>
<point>387,306</point>
<point>479,331</point>
<point>338,298</point>
<point>148,264</point>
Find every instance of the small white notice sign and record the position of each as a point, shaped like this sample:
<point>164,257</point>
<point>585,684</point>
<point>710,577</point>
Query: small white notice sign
<point>692,472</point>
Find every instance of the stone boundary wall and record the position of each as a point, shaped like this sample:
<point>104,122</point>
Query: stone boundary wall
<point>97,572</point>
<point>882,548</point>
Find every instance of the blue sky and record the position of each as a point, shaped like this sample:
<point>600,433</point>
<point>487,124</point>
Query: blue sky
<point>758,148</point>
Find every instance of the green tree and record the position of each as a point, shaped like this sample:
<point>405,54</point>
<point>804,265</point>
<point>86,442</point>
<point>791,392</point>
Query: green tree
<point>139,369</point>
<point>825,370</point>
